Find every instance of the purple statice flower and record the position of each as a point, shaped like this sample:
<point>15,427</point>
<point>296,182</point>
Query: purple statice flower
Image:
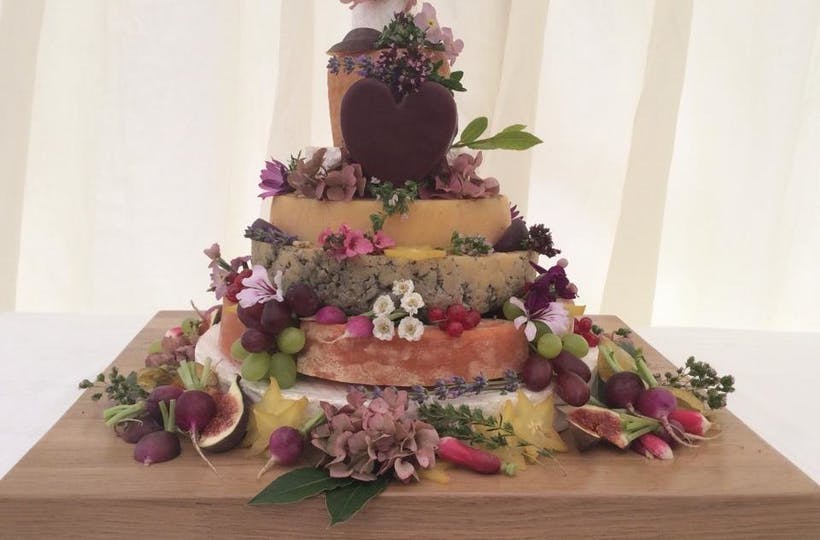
<point>403,72</point>
<point>553,314</point>
<point>333,65</point>
<point>365,64</point>
<point>349,64</point>
<point>440,389</point>
<point>551,285</point>
<point>512,381</point>
<point>479,384</point>
<point>274,179</point>
<point>259,289</point>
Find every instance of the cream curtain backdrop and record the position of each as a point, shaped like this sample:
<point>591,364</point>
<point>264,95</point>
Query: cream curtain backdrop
<point>679,170</point>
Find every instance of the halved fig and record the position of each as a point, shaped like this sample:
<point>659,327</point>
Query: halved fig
<point>228,427</point>
<point>601,422</point>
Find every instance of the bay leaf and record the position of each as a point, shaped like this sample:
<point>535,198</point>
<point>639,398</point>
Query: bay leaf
<point>297,485</point>
<point>344,502</point>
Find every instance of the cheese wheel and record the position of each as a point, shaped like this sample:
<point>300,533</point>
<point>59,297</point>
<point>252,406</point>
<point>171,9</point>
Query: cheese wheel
<point>429,223</point>
<point>230,329</point>
<point>483,283</point>
<point>488,349</point>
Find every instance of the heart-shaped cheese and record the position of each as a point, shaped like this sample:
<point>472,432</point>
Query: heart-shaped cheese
<point>400,141</point>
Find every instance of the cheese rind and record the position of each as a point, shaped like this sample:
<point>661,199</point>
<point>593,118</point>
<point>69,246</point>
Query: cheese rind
<point>428,223</point>
<point>488,349</point>
<point>483,283</point>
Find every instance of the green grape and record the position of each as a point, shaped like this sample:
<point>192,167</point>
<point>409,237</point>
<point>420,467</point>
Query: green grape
<point>549,346</point>
<point>255,366</point>
<point>576,345</point>
<point>291,340</point>
<point>511,312</point>
<point>283,369</point>
<point>155,347</point>
<point>238,352</point>
<point>541,329</point>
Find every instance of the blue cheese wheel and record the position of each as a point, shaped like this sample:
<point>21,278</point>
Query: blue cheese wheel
<point>483,283</point>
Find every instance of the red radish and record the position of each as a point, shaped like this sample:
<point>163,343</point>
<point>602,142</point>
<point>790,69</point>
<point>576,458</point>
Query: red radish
<point>638,447</point>
<point>159,394</point>
<point>659,403</point>
<point>621,391</point>
<point>160,446</point>
<point>358,326</point>
<point>655,446</point>
<point>286,446</point>
<point>692,421</point>
<point>330,315</point>
<point>174,332</point>
<point>480,461</point>
<point>131,431</point>
<point>675,427</point>
<point>194,407</point>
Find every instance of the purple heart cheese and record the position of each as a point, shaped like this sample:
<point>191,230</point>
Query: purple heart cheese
<point>401,141</point>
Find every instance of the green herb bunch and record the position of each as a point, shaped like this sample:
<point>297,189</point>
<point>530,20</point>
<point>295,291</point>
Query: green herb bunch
<point>120,389</point>
<point>703,381</point>
<point>469,245</point>
<point>394,200</point>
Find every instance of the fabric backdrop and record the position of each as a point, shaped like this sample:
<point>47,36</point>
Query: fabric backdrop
<point>679,171</point>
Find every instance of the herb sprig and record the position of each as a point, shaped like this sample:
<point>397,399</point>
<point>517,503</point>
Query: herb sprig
<point>469,245</point>
<point>510,138</point>
<point>394,200</point>
<point>703,381</point>
<point>460,422</point>
<point>120,389</point>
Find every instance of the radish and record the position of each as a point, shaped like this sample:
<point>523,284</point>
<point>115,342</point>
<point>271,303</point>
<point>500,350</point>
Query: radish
<point>477,460</point>
<point>692,421</point>
<point>659,403</point>
<point>160,446</point>
<point>621,391</point>
<point>330,315</point>
<point>164,393</point>
<point>655,446</point>
<point>357,326</point>
<point>131,431</point>
<point>286,444</point>
<point>195,407</point>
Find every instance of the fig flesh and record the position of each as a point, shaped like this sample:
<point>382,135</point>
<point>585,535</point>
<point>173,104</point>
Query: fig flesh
<point>227,428</point>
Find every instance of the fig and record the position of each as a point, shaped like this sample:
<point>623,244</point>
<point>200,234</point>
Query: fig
<point>227,428</point>
<point>513,238</point>
<point>601,422</point>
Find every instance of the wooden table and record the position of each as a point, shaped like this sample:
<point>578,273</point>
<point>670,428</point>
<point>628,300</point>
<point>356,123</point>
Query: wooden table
<point>80,481</point>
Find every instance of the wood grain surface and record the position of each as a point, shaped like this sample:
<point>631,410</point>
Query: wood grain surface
<point>80,481</point>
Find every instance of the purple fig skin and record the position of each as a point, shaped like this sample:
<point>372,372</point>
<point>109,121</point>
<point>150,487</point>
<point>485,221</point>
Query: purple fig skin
<point>131,432</point>
<point>157,447</point>
<point>228,439</point>
<point>164,393</point>
<point>513,238</point>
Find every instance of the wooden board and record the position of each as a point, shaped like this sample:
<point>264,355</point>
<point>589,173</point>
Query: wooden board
<point>80,481</point>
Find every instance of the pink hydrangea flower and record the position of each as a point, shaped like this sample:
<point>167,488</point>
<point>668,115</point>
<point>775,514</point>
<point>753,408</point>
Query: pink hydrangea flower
<point>259,289</point>
<point>427,21</point>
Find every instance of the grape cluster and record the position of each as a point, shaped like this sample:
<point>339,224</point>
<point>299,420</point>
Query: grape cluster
<point>272,337</point>
<point>455,319</point>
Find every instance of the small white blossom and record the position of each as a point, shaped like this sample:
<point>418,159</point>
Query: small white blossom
<point>394,200</point>
<point>403,286</point>
<point>383,328</point>
<point>411,329</point>
<point>412,302</point>
<point>383,306</point>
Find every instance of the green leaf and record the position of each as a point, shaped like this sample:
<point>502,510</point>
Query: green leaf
<point>456,75</point>
<point>343,503</point>
<point>297,485</point>
<point>507,140</point>
<point>474,130</point>
<point>514,127</point>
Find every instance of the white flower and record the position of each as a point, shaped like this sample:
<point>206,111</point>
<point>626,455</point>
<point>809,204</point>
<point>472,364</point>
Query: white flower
<point>383,306</point>
<point>331,160</point>
<point>383,328</point>
<point>258,288</point>
<point>403,286</point>
<point>412,302</point>
<point>411,329</point>
<point>554,315</point>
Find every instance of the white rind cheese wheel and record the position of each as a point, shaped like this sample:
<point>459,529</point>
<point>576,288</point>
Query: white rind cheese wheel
<point>429,223</point>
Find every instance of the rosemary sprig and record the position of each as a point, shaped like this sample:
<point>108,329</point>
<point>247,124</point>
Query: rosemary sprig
<point>460,422</point>
<point>702,380</point>
<point>120,389</point>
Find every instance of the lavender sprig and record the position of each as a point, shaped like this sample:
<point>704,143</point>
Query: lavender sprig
<point>262,231</point>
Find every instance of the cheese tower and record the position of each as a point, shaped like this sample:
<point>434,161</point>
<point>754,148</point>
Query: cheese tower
<point>402,264</point>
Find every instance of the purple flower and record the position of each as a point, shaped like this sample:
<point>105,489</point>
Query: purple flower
<point>274,179</point>
<point>550,285</point>
<point>213,252</point>
<point>427,21</point>
<point>451,48</point>
<point>460,180</point>
<point>258,288</point>
<point>553,314</point>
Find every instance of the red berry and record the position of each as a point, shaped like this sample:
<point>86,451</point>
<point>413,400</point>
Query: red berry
<point>455,328</point>
<point>592,339</point>
<point>471,319</point>
<point>584,325</point>
<point>456,312</point>
<point>435,315</point>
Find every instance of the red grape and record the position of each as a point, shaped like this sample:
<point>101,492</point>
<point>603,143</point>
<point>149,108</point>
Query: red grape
<point>565,361</point>
<point>256,341</point>
<point>456,312</point>
<point>571,388</point>
<point>276,317</point>
<point>455,328</point>
<point>536,373</point>
<point>583,325</point>
<point>471,319</point>
<point>251,317</point>
<point>302,300</point>
<point>435,315</point>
